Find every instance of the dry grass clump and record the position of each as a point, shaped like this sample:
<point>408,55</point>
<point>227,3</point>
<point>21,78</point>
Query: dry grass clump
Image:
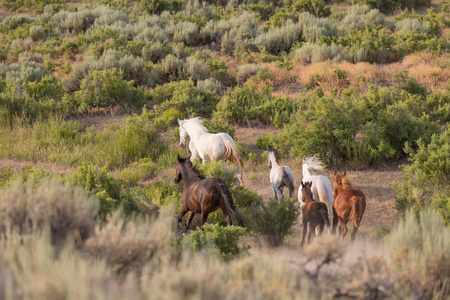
<point>36,270</point>
<point>127,246</point>
<point>420,252</point>
<point>67,210</point>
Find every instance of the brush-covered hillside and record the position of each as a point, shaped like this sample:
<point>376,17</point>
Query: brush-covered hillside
<point>91,94</point>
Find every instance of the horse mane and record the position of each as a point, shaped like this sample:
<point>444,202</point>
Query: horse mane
<point>275,154</point>
<point>195,124</point>
<point>196,171</point>
<point>313,163</point>
<point>346,184</point>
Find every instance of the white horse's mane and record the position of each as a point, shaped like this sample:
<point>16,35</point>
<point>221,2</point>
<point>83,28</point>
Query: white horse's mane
<point>194,124</point>
<point>312,163</point>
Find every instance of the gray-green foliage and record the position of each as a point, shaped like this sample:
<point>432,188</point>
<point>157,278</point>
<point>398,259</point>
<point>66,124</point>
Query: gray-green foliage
<point>313,28</point>
<point>313,53</point>
<point>279,39</point>
<point>419,250</point>
<point>25,72</point>
<point>196,69</point>
<point>357,16</point>
<point>132,67</point>
<point>63,208</point>
<point>412,24</point>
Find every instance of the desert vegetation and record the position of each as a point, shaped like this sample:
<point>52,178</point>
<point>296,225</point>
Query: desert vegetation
<point>90,97</point>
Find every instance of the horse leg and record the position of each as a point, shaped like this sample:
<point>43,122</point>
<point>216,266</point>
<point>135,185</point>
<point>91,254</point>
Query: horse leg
<point>355,229</point>
<point>312,228</point>
<point>277,191</point>
<point>183,211</point>
<point>305,228</point>
<point>189,220</point>
<point>335,221</point>
<point>344,229</point>
<point>204,218</point>
<point>321,227</point>
<point>225,212</point>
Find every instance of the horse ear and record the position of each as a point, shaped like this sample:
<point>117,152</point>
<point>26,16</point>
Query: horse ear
<point>334,173</point>
<point>178,157</point>
<point>345,173</point>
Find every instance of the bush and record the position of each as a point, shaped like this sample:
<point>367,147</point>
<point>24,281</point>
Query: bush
<point>274,220</point>
<point>128,246</point>
<point>220,169</point>
<point>219,240</point>
<point>419,255</point>
<point>65,209</point>
<point>196,69</point>
<point>357,16</point>
<point>108,88</point>
<point>313,53</point>
<point>96,181</point>
<point>211,85</point>
<point>185,98</point>
<point>426,179</point>
<point>248,106</point>
<point>37,33</point>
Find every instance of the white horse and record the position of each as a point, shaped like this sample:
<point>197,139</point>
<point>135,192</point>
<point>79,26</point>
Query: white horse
<point>321,188</point>
<point>280,176</point>
<point>209,146</point>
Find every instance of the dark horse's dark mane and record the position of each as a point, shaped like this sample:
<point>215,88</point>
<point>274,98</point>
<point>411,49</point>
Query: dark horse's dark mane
<point>194,169</point>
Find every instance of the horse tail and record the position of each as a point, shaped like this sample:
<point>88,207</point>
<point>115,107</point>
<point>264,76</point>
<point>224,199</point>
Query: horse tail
<point>324,213</point>
<point>229,203</point>
<point>358,208</point>
<point>232,153</point>
<point>287,181</point>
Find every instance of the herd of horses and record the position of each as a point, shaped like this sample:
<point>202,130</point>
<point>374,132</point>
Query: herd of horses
<point>319,197</point>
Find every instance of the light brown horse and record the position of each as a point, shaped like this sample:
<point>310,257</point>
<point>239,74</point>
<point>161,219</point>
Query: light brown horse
<point>313,212</point>
<point>203,195</point>
<point>349,204</point>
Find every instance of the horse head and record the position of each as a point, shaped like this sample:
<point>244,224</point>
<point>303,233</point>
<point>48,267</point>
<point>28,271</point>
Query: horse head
<point>184,136</point>
<point>178,169</point>
<point>306,190</point>
<point>337,182</point>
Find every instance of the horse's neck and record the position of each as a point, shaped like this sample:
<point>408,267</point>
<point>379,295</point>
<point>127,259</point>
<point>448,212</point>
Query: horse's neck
<point>195,131</point>
<point>273,160</point>
<point>189,176</point>
<point>307,172</point>
<point>308,199</point>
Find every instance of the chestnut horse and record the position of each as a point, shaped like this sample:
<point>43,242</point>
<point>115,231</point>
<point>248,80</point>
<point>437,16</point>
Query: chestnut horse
<point>203,195</point>
<point>349,204</point>
<point>313,212</point>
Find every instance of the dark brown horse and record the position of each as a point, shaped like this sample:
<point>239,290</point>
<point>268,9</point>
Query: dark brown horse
<point>349,204</point>
<point>203,195</point>
<point>313,212</point>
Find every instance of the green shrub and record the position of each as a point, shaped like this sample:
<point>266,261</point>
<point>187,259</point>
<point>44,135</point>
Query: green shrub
<point>274,220</point>
<point>196,69</point>
<point>211,85</point>
<point>219,240</point>
<point>280,39</point>
<point>313,53</point>
<point>108,88</point>
<point>427,178</point>
<point>164,193</point>
<point>65,209</point>
<point>248,106</point>
<point>185,98</point>
<point>155,51</point>
<point>220,169</point>
<point>315,7</point>
<point>96,181</point>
